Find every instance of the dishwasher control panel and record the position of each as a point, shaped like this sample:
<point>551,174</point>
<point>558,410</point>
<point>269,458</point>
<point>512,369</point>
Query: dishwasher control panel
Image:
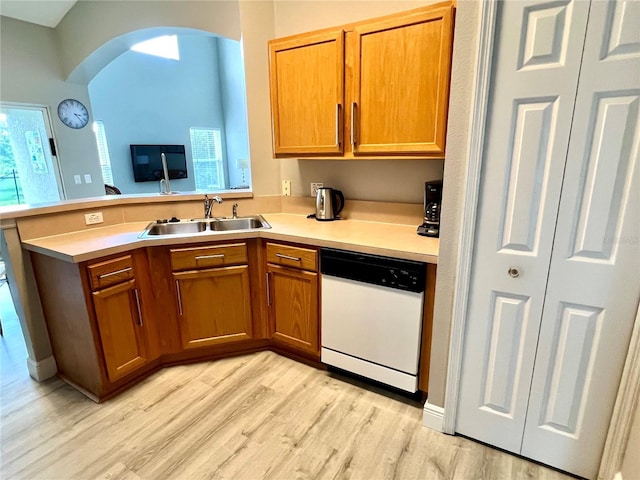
<point>374,269</point>
<point>400,278</point>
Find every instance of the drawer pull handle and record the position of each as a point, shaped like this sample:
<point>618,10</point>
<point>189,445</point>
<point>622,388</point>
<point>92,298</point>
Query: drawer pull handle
<point>117,272</point>
<point>204,257</point>
<point>179,297</point>
<point>287,257</point>
<point>135,292</point>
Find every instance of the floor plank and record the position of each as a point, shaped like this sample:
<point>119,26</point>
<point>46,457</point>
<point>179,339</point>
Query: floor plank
<point>258,416</point>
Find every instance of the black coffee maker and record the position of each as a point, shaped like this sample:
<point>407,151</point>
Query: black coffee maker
<point>432,201</point>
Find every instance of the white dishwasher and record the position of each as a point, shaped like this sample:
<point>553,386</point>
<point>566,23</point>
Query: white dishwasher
<point>372,316</point>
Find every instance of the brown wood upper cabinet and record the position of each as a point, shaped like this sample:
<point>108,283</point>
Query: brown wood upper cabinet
<point>307,97</point>
<point>378,88</point>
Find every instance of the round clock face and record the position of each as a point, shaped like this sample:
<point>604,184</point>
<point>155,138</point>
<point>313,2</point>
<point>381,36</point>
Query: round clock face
<point>73,113</point>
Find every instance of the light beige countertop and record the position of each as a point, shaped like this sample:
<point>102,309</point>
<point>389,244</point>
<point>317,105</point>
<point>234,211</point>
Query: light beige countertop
<point>389,239</point>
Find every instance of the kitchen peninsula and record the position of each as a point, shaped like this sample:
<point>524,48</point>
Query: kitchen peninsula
<point>57,265</point>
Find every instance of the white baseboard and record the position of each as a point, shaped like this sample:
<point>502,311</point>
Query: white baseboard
<point>618,476</point>
<point>42,370</point>
<point>433,417</point>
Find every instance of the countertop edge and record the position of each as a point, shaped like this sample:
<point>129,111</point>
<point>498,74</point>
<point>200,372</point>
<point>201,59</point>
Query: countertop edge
<point>123,241</point>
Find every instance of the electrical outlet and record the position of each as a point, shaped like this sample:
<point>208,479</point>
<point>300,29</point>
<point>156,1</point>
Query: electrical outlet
<point>87,178</point>
<point>286,188</point>
<point>77,180</point>
<point>93,218</point>
<point>314,189</point>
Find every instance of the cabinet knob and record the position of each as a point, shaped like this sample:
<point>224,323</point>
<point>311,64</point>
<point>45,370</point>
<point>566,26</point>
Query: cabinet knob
<point>513,272</point>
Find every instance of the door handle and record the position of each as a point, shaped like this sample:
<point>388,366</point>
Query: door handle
<point>179,297</point>
<point>338,131</point>
<point>353,125</point>
<point>268,291</point>
<point>140,321</point>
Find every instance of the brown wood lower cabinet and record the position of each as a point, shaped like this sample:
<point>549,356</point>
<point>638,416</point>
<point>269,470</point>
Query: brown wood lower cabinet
<point>121,328</point>
<point>99,317</point>
<point>113,320</point>
<point>214,306</point>
<point>292,297</point>
<point>213,294</point>
<point>293,308</point>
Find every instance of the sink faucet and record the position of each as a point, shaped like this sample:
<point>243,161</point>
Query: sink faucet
<point>165,188</point>
<point>208,204</point>
<point>235,210</point>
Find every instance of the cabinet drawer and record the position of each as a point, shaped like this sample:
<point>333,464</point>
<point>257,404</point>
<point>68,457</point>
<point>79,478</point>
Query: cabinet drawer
<point>206,257</point>
<point>295,257</point>
<point>110,272</point>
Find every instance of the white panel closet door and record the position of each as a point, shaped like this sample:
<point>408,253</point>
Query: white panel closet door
<point>594,279</point>
<point>535,77</point>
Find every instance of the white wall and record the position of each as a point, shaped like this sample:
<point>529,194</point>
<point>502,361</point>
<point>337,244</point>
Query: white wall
<point>30,73</point>
<point>631,460</point>
<point>234,106</point>
<point>257,20</point>
<point>455,177</point>
<point>89,25</point>
<point>144,99</point>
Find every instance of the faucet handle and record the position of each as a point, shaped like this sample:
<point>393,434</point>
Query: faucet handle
<point>235,210</point>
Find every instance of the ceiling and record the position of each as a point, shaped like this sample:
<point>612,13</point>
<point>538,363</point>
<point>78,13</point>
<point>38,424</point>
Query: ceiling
<point>41,12</point>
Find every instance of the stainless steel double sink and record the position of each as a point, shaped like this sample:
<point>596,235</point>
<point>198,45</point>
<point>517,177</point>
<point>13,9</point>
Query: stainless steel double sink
<point>187,227</point>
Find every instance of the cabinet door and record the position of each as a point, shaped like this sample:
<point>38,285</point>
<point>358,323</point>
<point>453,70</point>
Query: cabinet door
<point>121,328</point>
<point>214,306</point>
<point>401,83</point>
<point>293,308</point>
<point>307,78</point>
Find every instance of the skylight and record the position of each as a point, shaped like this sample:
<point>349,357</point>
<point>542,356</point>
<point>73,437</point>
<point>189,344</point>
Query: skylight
<point>165,46</point>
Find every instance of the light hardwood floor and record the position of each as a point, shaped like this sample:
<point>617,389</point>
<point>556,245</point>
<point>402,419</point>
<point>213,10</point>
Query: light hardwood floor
<point>249,417</point>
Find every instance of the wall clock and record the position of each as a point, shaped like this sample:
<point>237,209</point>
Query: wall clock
<point>73,113</point>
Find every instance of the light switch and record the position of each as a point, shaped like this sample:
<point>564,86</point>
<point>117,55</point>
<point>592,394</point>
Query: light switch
<point>77,180</point>
<point>87,178</point>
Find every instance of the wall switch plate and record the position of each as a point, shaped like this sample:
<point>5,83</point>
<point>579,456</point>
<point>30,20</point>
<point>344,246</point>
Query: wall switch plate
<point>286,188</point>
<point>93,218</point>
<point>87,178</point>
<point>314,189</point>
<point>77,180</point>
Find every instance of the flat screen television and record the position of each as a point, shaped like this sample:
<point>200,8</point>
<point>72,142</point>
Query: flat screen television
<point>147,163</point>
